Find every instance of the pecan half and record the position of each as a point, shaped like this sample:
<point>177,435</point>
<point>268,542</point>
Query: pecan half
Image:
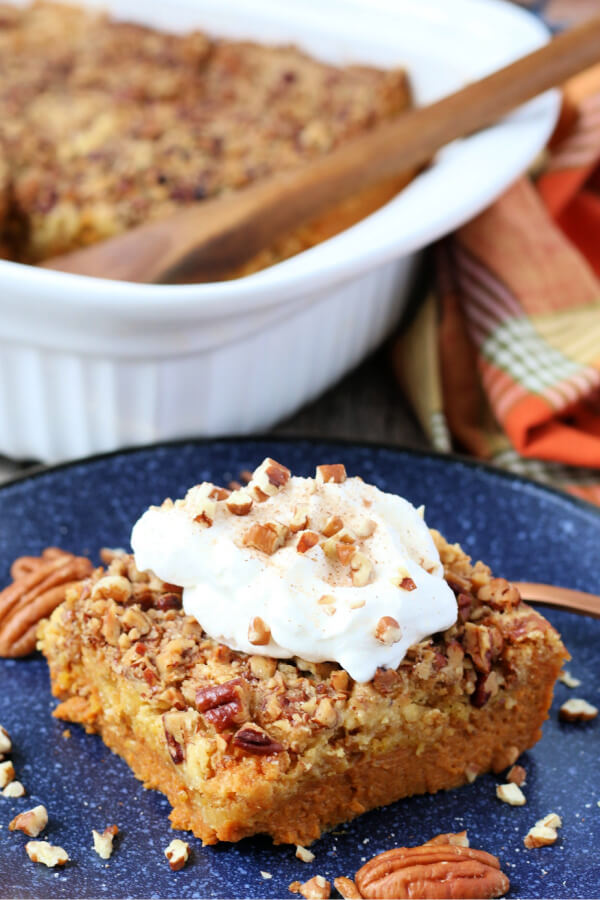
<point>39,585</point>
<point>434,870</point>
<point>224,705</point>
<point>253,739</point>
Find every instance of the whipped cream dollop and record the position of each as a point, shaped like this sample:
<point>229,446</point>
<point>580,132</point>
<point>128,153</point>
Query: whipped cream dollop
<point>326,569</point>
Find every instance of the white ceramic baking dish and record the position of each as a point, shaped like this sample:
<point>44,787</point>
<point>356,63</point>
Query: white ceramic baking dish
<point>88,365</point>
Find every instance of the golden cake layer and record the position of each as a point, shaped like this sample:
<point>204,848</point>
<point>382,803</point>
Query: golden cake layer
<point>248,744</point>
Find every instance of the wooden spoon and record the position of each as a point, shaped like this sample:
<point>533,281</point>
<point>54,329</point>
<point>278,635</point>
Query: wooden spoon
<point>215,236</point>
<point>563,598</point>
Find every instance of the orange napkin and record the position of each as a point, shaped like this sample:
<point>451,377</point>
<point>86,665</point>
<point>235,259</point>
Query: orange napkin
<point>503,359</point>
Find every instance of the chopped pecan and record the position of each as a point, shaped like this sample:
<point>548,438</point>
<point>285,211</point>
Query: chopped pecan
<point>112,587</point>
<point>253,739</point>
<point>499,594</point>
<point>259,632</point>
<point>103,841</point>
<point>386,681</point>
<point>168,600</point>
<point>477,643</point>
<point>441,870</point>
<point>465,603</point>
<point>511,793</point>
<point>332,526</point>
<point>577,710</point>
<point>456,838</point>
<point>48,854</point>
<point>388,631</point>
<point>335,473</point>
<point>362,569</point>
<point>516,775</point>
<point>31,822</point>
<point>179,726</point>
<point>39,585</point>
<point>307,540</point>
<point>346,888</point>
<point>239,503</point>
<point>224,705</point>
<point>316,888</point>
<point>5,741</point>
<point>177,853</point>
<point>268,478</point>
<point>267,538</point>
<point>7,773</point>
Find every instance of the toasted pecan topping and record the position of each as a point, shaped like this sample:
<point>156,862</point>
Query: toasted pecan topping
<point>362,569</point>
<point>335,473</point>
<point>239,503</point>
<point>332,526</point>
<point>388,631</point>
<point>307,540</point>
<point>259,632</point>
<point>316,888</point>
<point>267,538</point>
<point>224,705</point>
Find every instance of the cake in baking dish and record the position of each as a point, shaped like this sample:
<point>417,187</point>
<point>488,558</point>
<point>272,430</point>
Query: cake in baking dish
<point>105,125</point>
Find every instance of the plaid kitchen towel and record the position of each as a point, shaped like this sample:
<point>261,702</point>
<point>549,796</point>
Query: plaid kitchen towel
<point>503,358</point>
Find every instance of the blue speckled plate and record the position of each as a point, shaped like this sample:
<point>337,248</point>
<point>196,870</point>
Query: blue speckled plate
<point>524,531</point>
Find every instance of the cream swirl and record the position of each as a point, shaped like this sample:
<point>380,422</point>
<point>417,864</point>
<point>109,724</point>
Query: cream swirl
<point>368,585</point>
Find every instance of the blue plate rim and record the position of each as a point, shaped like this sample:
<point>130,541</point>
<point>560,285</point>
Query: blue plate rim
<point>41,469</point>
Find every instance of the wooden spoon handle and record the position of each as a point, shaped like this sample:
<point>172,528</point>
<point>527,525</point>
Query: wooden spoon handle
<point>563,598</point>
<point>218,234</point>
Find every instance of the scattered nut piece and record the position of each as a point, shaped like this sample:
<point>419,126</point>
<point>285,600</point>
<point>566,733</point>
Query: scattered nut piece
<point>362,569</point>
<point>304,854</point>
<point>456,839</point>
<point>540,836</point>
<point>66,733</point>
<point>103,842</point>
<point>552,820</point>
<point>511,794</point>
<point>259,632</point>
<point>516,775</point>
<point>387,631</point>
<point>471,773</point>
<point>178,853</point>
<point>568,679</point>
<point>239,503</point>
<point>5,741</point>
<point>335,473</point>
<point>577,710</point>
<point>43,852</point>
<point>14,789</point>
<point>265,875</point>
<point>7,773</point>
<point>114,587</point>
<point>31,822</point>
<point>347,888</point>
<point>316,888</point>
<point>307,540</point>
